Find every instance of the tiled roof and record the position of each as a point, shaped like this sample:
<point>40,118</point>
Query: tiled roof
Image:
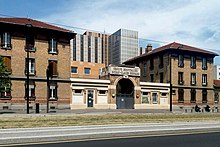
<point>34,23</point>
<point>173,45</point>
<point>217,83</point>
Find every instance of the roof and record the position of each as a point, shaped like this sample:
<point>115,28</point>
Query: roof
<point>34,23</point>
<point>174,46</point>
<point>216,83</point>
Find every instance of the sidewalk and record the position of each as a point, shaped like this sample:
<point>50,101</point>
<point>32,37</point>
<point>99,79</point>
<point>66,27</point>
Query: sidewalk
<point>84,111</point>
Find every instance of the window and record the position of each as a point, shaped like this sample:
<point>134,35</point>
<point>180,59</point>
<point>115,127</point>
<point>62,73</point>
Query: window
<point>161,62</point>
<point>193,95</point>
<point>204,79</point>
<point>74,70</point>
<point>7,62</point>
<point>181,95</point>
<point>31,91</point>
<point>86,71</point>
<point>30,43</point>
<point>163,94</point>
<point>145,70</point>
<point>145,98</point>
<point>53,67</point>
<point>102,92</point>
<point>53,46</point>
<point>81,48</point>
<point>89,48</point>
<point>78,91</point>
<point>96,49</point>
<point>161,77</point>
<point>216,97</point>
<point>155,98</point>
<point>6,91</point>
<point>204,63</point>
<point>31,66</point>
<point>180,61</point>
<point>152,77</point>
<point>53,91</point>
<point>180,78</point>
<point>204,96</point>
<point>6,40</point>
<point>151,64</point>
<point>193,78</point>
<point>193,62</point>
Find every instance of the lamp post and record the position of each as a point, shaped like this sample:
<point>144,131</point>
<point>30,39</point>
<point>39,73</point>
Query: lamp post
<point>29,26</point>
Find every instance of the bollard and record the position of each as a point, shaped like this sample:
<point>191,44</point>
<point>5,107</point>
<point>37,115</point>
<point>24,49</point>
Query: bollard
<point>37,108</point>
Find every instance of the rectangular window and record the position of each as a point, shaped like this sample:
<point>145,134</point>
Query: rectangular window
<point>89,48</point>
<point>102,92</point>
<point>53,91</point>
<point>30,42</point>
<point>74,70</point>
<point>180,78</point>
<point>81,48</point>
<point>31,66</point>
<point>87,71</point>
<point>53,67</point>
<point>6,91</point>
<point>193,78</point>
<point>204,63</point>
<point>204,96</point>
<point>180,61</point>
<point>161,77</point>
<point>53,46</point>
<point>181,95</point>
<point>145,98</point>
<point>31,89</point>
<point>155,98</point>
<point>74,49</point>
<point>78,91</point>
<point>6,40</point>
<point>145,70</point>
<point>193,62</point>
<point>216,97</point>
<point>193,95</point>
<point>161,62</point>
<point>204,79</point>
<point>152,77</point>
<point>7,62</point>
<point>96,49</point>
<point>151,64</point>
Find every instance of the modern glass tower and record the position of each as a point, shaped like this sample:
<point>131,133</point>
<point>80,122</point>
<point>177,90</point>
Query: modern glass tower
<point>123,45</point>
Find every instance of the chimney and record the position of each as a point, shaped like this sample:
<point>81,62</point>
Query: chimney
<point>148,48</point>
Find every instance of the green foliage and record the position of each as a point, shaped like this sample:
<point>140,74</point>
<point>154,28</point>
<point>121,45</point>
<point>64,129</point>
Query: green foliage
<point>5,81</point>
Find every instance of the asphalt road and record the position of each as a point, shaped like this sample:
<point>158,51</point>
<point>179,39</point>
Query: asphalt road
<point>175,140</point>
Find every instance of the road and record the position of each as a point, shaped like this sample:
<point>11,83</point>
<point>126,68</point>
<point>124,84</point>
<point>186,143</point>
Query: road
<point>175,140</point>
<point>53,134</point>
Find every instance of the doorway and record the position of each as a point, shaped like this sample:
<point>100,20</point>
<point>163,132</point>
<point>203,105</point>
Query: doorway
<point>125,94</point>
<point>90,98</point>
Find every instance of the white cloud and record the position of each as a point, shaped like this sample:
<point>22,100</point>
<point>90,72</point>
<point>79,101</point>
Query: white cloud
<point>193,22</point>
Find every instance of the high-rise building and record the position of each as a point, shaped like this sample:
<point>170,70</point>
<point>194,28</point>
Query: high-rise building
<point>123,45</point>
<point>217,72</point>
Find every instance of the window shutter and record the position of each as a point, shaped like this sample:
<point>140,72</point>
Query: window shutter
<point>54,68</point>
<point>7,61</point>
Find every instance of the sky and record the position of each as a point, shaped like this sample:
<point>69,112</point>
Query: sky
<point>159,22</point>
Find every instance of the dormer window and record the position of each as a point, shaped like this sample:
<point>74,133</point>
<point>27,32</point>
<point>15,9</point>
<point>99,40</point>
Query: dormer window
<point>6,40</point>
<point>53,46</point>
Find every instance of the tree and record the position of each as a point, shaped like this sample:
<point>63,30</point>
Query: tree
<point>5,80</point>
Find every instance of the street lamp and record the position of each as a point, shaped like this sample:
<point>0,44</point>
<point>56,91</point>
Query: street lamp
<point>29,26</point>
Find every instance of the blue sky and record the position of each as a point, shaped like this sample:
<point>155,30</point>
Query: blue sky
<point>192,22</point>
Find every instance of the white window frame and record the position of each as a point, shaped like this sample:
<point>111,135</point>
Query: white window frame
<point>31,87</point>
<point>7,39</point>
<point>52,89</point>
<point>53,45</point>
<point>204,79</point>
<point>193,78</point>
<point>31,65</point>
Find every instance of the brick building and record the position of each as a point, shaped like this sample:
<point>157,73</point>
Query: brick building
<point>46,44</point>
<point>187,69</point>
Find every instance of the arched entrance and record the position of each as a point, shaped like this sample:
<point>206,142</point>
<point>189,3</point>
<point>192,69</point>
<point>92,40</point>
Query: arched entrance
<point>125,94</point>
